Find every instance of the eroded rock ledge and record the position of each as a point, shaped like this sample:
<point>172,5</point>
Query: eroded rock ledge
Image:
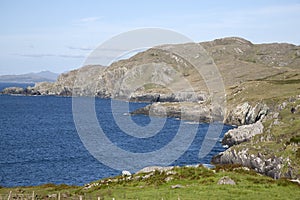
<point>269,166</point>
<point>242,134</point>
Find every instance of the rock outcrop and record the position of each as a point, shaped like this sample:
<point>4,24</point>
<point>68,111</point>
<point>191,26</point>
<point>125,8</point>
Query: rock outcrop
<point>261,163</point>
<point>246,114</point>
<point>275,151</point>
<point>155,168</point>
<point>185,111</point>
<point>13,90</point>
<point>242,134</point>
<point>226,180</point>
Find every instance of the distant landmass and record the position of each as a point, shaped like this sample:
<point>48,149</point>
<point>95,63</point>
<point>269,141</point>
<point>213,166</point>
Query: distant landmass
<point>43,76</point>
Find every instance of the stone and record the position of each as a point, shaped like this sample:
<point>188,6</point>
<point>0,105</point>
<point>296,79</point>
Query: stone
<point>296,181</point>
<point>226,181</point>
<point>155,168</point>
<point>52,195</point>
<point>176,186</point>
<point>126,173</point>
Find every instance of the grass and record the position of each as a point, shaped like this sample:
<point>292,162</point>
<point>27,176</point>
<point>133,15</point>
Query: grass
<point>272,90</point>
<point>195,183</point>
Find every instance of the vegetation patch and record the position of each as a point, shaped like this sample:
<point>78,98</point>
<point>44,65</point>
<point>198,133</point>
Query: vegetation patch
<point>177,183</point>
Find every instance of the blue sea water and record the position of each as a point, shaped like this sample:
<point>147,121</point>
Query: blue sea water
<point>39,143</point>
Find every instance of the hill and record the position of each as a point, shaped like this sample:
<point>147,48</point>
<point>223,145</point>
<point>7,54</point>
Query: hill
<point>30,77</point>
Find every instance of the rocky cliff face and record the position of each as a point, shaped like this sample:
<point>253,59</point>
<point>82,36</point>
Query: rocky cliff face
<point>261,163</point>
<point>270,147</point>
<point>246,114</point>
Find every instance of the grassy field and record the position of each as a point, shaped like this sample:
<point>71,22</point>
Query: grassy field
<point>189,182</point>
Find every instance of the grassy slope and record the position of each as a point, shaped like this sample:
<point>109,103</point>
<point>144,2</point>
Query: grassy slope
<point>198,183</point>
<point>281,139</point>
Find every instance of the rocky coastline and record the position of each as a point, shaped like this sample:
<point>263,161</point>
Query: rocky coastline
<point>261,82</point>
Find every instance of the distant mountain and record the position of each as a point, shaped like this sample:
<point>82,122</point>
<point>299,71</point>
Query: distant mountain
<point>43,76</point>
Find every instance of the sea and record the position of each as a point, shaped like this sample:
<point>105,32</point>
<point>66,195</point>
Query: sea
<point>40,143</point>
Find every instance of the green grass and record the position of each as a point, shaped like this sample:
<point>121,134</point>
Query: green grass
<point>197,183</point>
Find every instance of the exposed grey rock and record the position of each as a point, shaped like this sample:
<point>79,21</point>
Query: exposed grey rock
<point>155,168</point>
<point>13,90</point>
<point>177,186</point>
<point>242,133</point>
<point>225,180</point>
<point>145,97</point>
<point>185,111</point>
<point>247,114</point>
<point>260,163</point>
<point>169,97</point>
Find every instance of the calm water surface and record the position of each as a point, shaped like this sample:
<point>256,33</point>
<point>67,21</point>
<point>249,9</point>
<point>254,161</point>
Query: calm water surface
<point>39,143</point>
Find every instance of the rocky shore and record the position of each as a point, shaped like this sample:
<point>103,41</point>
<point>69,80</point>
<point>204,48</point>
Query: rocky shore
<point>261,88</point>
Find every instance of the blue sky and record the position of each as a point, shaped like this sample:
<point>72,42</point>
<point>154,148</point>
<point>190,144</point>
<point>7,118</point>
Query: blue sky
<point>57,35</point>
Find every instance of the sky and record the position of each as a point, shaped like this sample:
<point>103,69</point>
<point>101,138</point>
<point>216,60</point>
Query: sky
<point>58,35</point>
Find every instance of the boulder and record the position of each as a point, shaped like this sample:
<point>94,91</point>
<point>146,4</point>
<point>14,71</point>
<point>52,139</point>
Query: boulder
<point>242,133</point>
<point>126,173</point>
<point>176,186</point>
<point>225,180</point>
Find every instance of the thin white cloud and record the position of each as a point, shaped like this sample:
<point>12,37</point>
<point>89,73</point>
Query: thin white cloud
<point>89,19</point>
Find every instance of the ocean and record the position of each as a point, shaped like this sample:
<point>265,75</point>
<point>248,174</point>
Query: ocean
<point>40,143</point>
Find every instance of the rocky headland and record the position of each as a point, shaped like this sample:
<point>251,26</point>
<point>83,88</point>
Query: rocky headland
<point>261,83</point>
